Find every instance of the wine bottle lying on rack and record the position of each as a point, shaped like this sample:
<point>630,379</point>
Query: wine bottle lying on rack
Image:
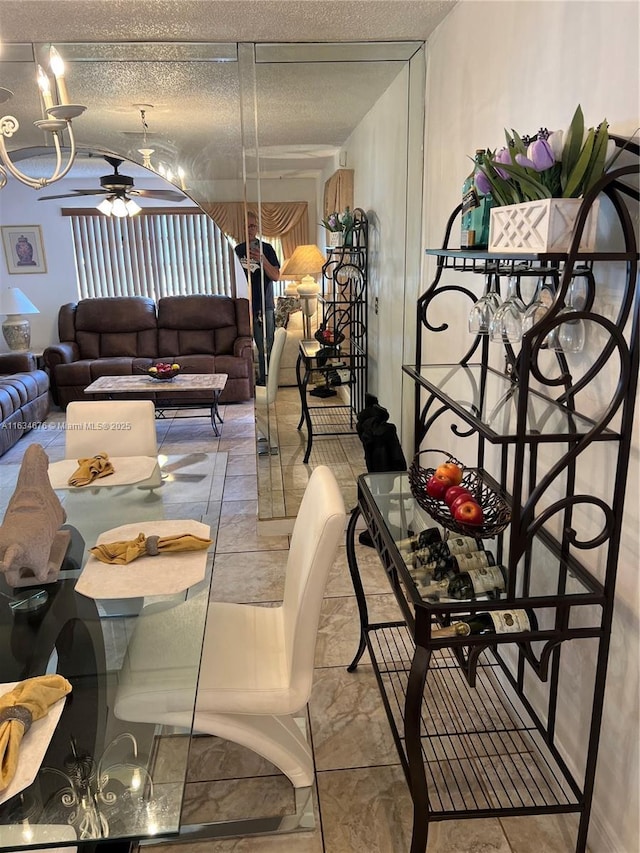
<point>422,540</point>
<point>486,580</point>
<point>448,548</point>
<point>494,622</point>
<point>439,566</point>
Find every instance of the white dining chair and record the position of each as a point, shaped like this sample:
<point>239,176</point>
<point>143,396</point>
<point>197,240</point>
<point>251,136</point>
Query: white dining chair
<point>257,663</point>
<point>266,394</point>
<point>117,427</point>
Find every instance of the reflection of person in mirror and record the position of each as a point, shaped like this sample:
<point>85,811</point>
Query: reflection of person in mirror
<point>24,251</point>
<point>260,262</point>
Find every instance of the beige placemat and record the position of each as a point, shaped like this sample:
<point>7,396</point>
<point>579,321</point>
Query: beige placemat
<point>32,747</point>
<point>127,470</point>
<point>165,574</point>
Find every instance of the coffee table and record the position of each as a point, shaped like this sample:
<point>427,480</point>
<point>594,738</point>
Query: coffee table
<point>164,391</point>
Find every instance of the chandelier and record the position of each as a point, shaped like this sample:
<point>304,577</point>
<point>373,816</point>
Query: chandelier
<point>58,118</point>
<point>146,152</point>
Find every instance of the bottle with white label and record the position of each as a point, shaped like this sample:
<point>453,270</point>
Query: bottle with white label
<point>468,585</point>
<point>441,567</point>
<point>448,548</point>
<point>423,540</point>
<point>494,622</point>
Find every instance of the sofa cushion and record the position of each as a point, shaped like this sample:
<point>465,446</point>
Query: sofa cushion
<point>196,324</point>
<point>116,326</point>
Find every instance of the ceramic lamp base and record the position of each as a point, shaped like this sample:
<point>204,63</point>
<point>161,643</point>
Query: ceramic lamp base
<point>17,334</point>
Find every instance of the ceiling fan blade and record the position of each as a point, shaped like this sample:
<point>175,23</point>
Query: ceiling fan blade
<point>73,194</point>
<point>167,195</point>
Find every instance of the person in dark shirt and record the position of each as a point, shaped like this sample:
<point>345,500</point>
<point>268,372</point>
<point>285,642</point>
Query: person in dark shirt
<point>261,259</point>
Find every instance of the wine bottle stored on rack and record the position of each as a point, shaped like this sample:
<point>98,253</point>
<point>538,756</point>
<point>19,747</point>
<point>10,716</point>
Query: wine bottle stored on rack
<point>425,538</point>
<point>448,548</point>
<point>442,567</point>
<point>460,562</point>
<point>493,622</point>
<point>487,580</point>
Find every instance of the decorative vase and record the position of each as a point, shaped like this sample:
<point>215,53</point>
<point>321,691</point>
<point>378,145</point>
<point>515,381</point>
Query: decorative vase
<point>541,226</point>
<point>334,239</point>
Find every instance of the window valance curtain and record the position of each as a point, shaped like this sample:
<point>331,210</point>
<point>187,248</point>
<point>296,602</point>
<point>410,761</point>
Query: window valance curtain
<point>338,191</point>
<point>288,220</point>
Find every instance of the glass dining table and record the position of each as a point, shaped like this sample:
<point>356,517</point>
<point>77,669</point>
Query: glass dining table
<point>94,779</point>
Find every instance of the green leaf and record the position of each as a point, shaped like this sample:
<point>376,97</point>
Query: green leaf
<point>598,157</point>
<point>572,145</point>
<point>499,187</point>
<point>532,187</point>
<point>572,188</point>
<point>520,147</point>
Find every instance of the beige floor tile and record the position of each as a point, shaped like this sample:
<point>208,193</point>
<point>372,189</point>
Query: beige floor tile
<point>365,811</point>
<point>249,576</point>
<point>240,487</point>
<point>238,799</point>
<point>551,833</point>
<point>348,721</point>
<point>339,629</point>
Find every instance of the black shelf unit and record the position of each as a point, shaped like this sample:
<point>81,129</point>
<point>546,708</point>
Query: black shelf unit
<point>477,719</point>
<point>344,313</point>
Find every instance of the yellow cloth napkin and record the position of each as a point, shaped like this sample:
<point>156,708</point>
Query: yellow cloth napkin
<point>91,469</point>
<point>120,553</point>
<point>28,701</point>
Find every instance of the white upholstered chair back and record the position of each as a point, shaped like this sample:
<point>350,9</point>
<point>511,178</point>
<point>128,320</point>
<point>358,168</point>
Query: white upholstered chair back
<point>115,427</point>
<point>318,530</point>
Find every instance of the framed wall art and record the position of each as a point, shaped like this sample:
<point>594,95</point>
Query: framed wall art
<point>23,249</point>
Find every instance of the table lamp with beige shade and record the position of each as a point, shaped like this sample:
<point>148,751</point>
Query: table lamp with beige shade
<point>16,328</point>
<point>304,266</point>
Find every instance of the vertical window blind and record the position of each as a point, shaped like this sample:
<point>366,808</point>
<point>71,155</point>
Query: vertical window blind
<point>151,254</point>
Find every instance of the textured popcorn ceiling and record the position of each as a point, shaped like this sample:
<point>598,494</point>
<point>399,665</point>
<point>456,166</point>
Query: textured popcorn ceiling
<point>163,52</point>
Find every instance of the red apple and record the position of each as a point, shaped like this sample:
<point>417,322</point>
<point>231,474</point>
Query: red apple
<point>456,492</point>
<point>460,500</point>
<point>468,512</point>
<point>452,471</point>
<point>437,486</point>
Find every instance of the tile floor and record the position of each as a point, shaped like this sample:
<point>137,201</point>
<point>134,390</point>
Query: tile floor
<point>361,799</point>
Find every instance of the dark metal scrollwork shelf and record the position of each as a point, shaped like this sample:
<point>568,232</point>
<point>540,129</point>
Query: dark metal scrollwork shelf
<point>344,317</point>
<point>476,734</point>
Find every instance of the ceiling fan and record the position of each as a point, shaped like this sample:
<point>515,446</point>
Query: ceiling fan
<point>119,186</point>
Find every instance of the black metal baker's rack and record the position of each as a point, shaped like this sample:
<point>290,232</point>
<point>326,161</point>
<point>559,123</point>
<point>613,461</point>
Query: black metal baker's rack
<point>477,720</point>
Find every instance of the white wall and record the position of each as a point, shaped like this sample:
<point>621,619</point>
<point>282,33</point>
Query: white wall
<point>525,65</point>
<point>377,151</point>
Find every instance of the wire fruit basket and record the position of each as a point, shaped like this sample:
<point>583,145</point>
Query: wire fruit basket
<point>495,508</point>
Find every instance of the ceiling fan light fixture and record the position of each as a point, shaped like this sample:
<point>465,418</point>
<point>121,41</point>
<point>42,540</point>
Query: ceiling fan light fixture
<point>132,207</point>
<point>105,206</point>
<point>119,208</point>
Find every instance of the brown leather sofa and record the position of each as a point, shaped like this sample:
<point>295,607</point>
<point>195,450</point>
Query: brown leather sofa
<point>125,335</point>
<point>24,397</point>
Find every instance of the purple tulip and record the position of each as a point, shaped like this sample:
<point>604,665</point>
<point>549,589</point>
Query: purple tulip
<point>503,156</point>
<point>523,161</point>
<point>482,183</point>
<point>541,153</point>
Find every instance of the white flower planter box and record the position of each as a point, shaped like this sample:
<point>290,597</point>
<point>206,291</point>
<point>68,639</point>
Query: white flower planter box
<point>540,226</point>
<point>334,239</point>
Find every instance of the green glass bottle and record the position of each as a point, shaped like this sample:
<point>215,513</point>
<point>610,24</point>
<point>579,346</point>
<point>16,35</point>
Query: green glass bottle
<point>494,622</point>
<point>475,211</point>
<point>487,580</point>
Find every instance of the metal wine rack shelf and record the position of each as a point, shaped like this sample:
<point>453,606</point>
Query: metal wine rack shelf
<point>344,313</point>
<point>480,721</point>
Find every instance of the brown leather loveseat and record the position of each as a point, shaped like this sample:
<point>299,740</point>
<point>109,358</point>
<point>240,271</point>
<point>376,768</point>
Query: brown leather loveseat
<point>125,335</point>
<point>24,397</point>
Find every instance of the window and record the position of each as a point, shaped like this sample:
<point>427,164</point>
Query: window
<point>151,254</point>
